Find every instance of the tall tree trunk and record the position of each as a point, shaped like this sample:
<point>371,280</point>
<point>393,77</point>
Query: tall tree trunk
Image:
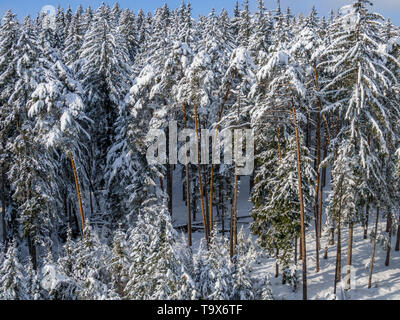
<point>277,264</point>
<point>221,111</point>
<point>371,264</point>
<point>349,254</point>
<point>3,209</point>
<point>233,232</point>
<point>206,235</point>
<point>78,194</point>
<point>302,217</point>
<point>221,199</point>
<point>317,183</point>
<point>387,261</point>
<point>188,213</point>
<point>338,268</point>
<point>169,176</point>
<point>318,133</point>
<point>366,222</point>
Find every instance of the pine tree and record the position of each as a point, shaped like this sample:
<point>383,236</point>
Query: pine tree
<point>155,271</point>
<point>104,73</point>
<point>361,89</point>
<point>8,78</point>
<point>13,284</point>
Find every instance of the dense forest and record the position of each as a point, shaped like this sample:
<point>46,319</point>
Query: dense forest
<point>84,214</point>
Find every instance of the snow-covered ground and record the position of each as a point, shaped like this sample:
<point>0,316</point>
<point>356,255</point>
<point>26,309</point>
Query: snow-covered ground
<point>386,280</point>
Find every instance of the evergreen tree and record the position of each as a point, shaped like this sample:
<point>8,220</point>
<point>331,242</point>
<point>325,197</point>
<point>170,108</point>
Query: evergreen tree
<point>13,284</point>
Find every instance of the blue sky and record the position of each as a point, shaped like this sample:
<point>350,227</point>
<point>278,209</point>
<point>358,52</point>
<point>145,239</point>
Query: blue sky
<point>389,8</point>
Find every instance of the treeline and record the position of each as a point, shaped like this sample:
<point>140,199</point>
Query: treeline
<point>80,92</point>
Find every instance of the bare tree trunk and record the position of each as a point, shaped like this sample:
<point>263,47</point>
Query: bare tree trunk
<point>338,268</point>
<point>189,217</point>
<point>221,199</point>
<point>302,218</point>
<point>318,213</point>
<point>371,264</point>
<point>317,184</point>
<point>349,253</point>
<point>78,194</point>
<point>387,261</point>
<point>169,176</point>
<point>200,180</point>
<point>221,111</point>
<point>205,191</point>
<point>233,239</point>
<point>366,222</point>
<point>277,264</point>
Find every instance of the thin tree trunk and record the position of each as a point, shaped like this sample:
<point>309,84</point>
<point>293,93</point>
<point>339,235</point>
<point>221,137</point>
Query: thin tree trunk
<point>366,222</point>
<point>300,250</point>
<point>318,211</point>
<point>371,264</point>
<point>331,240</point>
<point>169,176</point>
<point>188,213</point>
<point>200,180</point>
<point>349,254</point>
<point>317,184</point>
<point>277,264</point>
<point>302,218</point>
<point>205,192</point>
<point>387,261</point>
<point>221,111</point>
<point>233,239</point>
<point>338,268</point>
<point>78,194</point>
<point>189,217</point>
<point>321,195</point>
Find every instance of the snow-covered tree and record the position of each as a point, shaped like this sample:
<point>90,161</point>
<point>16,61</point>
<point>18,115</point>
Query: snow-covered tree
<point>13,283</point>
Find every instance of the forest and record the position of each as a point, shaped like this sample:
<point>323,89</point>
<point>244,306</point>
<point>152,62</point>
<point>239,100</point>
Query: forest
<point>86,216</point>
